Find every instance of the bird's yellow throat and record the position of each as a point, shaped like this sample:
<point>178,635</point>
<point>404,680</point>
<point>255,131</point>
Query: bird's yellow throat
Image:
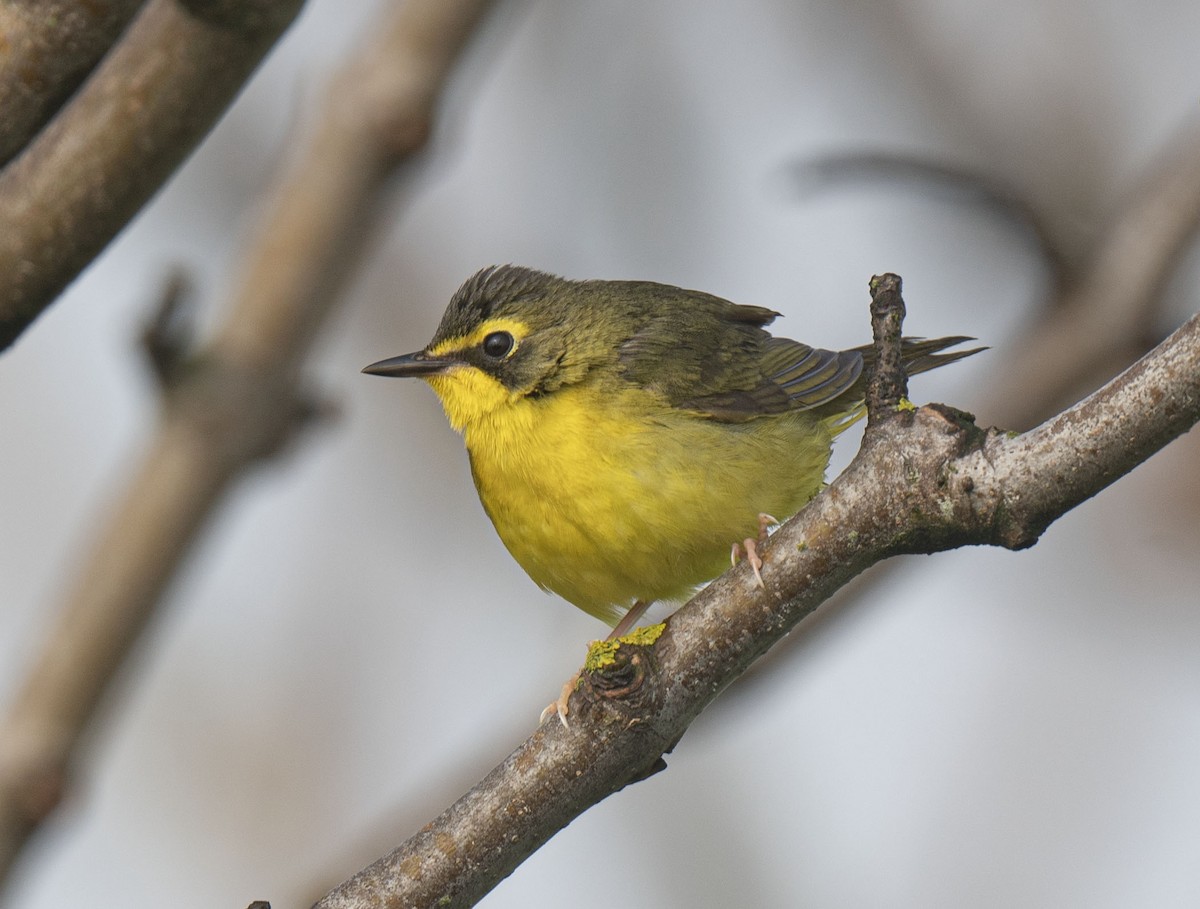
<point>468,393</point>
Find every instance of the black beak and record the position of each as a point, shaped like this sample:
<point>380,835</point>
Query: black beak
<point>413,364</point>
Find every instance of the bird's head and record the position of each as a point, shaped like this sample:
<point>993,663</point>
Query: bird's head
<point>509,333</point>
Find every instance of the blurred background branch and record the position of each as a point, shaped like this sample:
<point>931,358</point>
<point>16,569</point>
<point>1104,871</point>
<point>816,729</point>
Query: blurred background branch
<point>109,149</point>
<point>1104,317</point>
<point>929,178</point>
<point>50,46</point>
<point>235,401</point>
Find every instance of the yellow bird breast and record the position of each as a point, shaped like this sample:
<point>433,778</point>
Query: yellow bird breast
<point>606,496</point>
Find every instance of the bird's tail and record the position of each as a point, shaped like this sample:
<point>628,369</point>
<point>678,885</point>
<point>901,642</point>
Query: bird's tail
<point>924,354</point>
<point>918,355</point>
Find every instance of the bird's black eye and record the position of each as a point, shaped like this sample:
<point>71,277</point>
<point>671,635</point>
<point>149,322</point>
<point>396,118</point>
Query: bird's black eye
<point>498,344</point>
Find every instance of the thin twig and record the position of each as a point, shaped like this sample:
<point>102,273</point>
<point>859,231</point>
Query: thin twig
<point>930,480</point>
<point>238,400</point>
<point>887,385</point>
<point>142,111</point>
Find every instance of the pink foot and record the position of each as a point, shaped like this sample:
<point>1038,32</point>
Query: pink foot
<point>752,557</point>
<point>562,706</point>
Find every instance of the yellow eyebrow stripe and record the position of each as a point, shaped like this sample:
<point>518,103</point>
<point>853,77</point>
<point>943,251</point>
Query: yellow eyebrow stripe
<point>453,345</point>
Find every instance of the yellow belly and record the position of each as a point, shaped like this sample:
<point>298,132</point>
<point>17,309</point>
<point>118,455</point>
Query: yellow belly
<point>606,498</point>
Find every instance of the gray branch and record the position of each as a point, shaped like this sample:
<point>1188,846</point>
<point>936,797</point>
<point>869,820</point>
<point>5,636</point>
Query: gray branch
<point>924,481</point>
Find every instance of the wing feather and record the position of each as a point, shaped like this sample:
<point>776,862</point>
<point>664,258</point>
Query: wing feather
<point>714,358</point>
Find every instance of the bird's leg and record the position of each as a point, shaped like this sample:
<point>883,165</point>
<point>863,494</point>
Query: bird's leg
<point>561,706</point>
<point>751,545</point>
<point>636,611</point>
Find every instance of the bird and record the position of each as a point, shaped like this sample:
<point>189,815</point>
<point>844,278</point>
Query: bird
<point>622,433</point>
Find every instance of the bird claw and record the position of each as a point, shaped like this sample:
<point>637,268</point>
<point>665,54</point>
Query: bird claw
<point>752,556</point>
<point>755,562</point>
<point>562,706</point>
